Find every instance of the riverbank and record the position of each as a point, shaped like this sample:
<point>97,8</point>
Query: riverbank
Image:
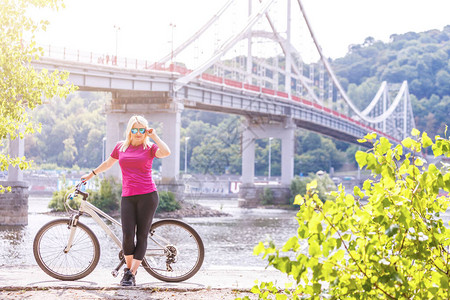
<point>191,210</point>
<point>215,284</point>
<point>125,294</point>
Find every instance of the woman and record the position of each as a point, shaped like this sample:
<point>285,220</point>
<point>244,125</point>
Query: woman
<point>139,195</point>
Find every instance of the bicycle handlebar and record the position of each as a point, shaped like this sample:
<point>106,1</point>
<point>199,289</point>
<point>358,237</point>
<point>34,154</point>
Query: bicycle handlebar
<point>78,191</point>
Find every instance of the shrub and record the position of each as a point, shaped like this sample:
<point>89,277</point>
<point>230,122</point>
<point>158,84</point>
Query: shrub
<point>58,198</point>
<point>394,247</point>
<point>324,186</point>
<point>167,202</point>
<point>107,198</point>
<point>267,196</point>
<point>298,187</point>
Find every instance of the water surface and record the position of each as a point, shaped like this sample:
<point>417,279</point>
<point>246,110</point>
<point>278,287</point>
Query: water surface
<point>229,241</point>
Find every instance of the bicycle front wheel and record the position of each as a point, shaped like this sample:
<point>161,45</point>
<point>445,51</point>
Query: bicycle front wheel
<point>175,251</point>
<point>50,243</point>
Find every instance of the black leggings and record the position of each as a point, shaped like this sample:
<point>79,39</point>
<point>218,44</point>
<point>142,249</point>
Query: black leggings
<point>137,215</point>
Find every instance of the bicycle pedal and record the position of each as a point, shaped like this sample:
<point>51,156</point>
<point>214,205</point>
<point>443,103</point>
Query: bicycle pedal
<point>114,273</point>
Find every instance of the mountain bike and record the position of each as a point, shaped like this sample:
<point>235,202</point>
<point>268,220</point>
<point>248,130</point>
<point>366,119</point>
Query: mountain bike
<point>67,249</point>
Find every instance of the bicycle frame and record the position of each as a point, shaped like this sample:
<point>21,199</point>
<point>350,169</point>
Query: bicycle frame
<point>94,212</point>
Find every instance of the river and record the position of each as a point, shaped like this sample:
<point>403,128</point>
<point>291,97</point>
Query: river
<point>229,240</point>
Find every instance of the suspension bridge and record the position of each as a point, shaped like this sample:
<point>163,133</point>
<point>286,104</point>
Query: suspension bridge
<point>247,59</point>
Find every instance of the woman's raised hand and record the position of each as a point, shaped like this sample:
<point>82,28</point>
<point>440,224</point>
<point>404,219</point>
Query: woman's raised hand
<point>151,132</point>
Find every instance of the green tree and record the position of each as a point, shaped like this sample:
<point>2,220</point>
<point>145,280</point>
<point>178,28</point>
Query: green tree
<point>393,247</point>
<point>22,87</point>
<point>362,94</point>
<point>76,120</point>
<point>208,158</point>
<point>421,58</point>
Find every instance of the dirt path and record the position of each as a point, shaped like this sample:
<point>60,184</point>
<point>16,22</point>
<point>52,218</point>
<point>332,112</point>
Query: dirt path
<point>124,293</point>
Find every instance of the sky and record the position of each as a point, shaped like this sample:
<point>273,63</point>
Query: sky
<point>145,31</point>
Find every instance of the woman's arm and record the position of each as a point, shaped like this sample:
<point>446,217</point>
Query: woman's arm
<point>163,150</point>
<point>103,167</point>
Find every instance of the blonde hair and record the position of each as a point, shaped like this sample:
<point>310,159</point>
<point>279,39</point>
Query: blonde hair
<point>133,120</point>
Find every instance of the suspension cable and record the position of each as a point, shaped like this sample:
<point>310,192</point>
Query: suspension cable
<point>330,71</point>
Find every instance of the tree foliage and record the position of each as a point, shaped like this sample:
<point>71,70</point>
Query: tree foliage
<point>421,58</point>
<point>396,246</point>
<point>23,88</point>
<point>72,131</point>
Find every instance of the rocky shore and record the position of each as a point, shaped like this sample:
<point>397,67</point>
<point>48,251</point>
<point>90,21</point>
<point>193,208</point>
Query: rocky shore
<point>189,210</point>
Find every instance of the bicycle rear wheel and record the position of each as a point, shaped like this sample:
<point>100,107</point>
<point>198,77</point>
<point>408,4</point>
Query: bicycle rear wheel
<point>175,251</point>
<point>49,245</point>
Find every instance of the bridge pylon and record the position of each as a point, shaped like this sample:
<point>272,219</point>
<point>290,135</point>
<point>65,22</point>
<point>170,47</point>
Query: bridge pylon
<point>14,204</point>
<point>259,128</point>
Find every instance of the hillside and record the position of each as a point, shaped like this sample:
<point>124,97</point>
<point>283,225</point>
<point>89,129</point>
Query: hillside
<point>423,59</point>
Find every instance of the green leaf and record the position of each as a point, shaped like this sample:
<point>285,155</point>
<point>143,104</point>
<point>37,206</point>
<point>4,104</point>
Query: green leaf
<point>258,249</point>
<point>392,230</point>
<point>339,255</point>
<point>317,288</point>
<point>291,244</point>
<point>299,200</point>
<point>419,161</point>
<point>367,286</point>
<point>384,145</point>
<point>312,185</point>
<point>426,141</point>
<point>408,142</point>
<point>361,158</point>
<point>415,132</point>
<point>371,136</point>
<point>314,248</point>
<point>357,192</point>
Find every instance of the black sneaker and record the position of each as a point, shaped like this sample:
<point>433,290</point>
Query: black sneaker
<point>128,278</point>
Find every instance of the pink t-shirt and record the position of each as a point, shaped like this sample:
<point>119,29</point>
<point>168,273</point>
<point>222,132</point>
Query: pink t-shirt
<point>136,165</point>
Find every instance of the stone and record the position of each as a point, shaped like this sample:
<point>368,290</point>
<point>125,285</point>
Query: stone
<point>14,204</point>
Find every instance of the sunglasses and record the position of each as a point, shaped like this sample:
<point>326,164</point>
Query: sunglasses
<point>135,130</point>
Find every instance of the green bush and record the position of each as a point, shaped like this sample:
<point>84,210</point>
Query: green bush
<point>298,187</point>
<point>167,202</point>
<point>394,247</point>
<point>267,196</point>
<point>324,186</point>
<point>57,202</point>
<point>107,198</point>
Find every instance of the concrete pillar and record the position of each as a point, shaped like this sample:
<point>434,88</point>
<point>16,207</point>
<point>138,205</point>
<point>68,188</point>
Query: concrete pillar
<point>170,134</point>
<point>115,132</point>
<point>16,149</point>
<point>284,131</point>
<point>287,152</point>
<point>248,156</point>
<point>249,194</point>
<point>14,204</point>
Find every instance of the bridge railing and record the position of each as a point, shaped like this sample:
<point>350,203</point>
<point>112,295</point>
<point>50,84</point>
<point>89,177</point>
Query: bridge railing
<point>64,53</point>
